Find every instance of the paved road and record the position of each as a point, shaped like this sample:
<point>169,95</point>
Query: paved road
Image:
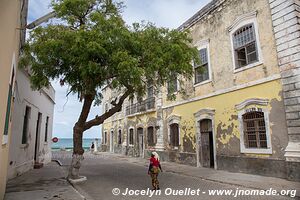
<point>105,173</point>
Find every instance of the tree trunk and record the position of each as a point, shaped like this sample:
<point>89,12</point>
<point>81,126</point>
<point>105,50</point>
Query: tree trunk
<point>82,125</point>
<point>78,130</point>
<point>78,151</point>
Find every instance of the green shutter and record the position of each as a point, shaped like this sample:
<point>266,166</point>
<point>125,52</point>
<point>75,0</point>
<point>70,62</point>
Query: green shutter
<point>8,110</point>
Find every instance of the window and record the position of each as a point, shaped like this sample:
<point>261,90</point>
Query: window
<point>150,135</point>
<point>202,70</point>
<point>255,130</point>
<point>244,44</point>
<point>254,126</point>
<point>131,136</point>
<point>25,125</point>
<point>174,135</point>
<point>120,137</point>
<point>105,138</point>
<point>172,85</point>
<point>150,89</point>
<point>8,105</point>
<point>46,129</point>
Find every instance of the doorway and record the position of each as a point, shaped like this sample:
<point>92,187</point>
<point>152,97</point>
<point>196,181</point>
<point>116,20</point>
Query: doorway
<point>111,146</point>
<point>206,144</point>
<point>140,134</point>
<point>37,137</point>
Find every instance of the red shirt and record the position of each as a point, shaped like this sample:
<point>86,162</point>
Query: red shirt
<point>154,162</point>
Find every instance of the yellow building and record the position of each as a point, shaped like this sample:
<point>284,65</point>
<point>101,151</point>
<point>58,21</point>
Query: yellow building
<point>11,13</point>
<point>232,114</point>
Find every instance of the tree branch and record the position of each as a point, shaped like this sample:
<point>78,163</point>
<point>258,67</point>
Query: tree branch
<point>88,99</point>
<point>100,119</point>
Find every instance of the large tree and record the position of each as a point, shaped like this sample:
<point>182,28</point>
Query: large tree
<point>92,47</point>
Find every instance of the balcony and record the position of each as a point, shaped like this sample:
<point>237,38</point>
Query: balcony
<point>142,106</point>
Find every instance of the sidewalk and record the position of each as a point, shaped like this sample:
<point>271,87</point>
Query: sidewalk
<point>237,179</point>
<point>46,183</point>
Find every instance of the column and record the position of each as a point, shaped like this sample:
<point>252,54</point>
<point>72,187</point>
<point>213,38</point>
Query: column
<point>159,129</point>
<point>285,17</point>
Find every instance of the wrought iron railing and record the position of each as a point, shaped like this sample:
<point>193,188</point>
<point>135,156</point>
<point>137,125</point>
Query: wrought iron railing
<point>142,106</point>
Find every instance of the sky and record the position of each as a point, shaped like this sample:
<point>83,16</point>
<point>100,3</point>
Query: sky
<point>163,13</point>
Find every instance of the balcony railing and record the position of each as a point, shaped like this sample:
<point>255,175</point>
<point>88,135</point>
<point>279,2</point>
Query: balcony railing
<point>142,106</point>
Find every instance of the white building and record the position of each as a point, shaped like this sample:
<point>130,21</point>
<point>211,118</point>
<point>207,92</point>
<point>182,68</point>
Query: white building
<point>31,128</point>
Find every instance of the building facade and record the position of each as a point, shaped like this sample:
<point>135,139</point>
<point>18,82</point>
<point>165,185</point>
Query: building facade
<point>26,115</point>
<point>11,12</point>
<point>240,112</point>
<point>30,145</point>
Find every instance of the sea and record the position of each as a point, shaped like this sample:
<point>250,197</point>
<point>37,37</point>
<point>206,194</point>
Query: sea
<point>67,143</point>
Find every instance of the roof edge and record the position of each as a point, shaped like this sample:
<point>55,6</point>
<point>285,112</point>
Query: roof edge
<point>211,6</point>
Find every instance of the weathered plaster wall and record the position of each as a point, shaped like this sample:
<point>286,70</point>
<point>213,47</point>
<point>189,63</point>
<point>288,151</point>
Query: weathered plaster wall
<point>135,122</point>
<point>214,28</point>
<point>226,122</point>
<point>9,51</point>
<point>21,156</point>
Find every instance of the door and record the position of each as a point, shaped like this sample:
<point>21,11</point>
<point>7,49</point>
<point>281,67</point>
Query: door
<point>37,137</point>
<point>140,141</point>
<point>111,146</point>
<point>206,148</point>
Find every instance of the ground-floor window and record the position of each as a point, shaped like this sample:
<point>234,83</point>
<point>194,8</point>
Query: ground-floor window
<point>120,137</point>
<point>255,130</point>
<point>150,135</point>
<point>46,129</point>
<point>25,125</point>
<point>105,138</point>
<point>131,136</point>
<point>254,126</point>
<point>174,135</point>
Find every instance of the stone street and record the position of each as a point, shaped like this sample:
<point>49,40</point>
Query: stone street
<point>108,171</point>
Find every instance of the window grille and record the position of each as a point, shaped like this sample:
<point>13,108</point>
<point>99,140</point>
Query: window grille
<point>131,136</point>
<point>150,135</point>
<point>174,135</point>
<point>120,137</point>
<point>255,130</point>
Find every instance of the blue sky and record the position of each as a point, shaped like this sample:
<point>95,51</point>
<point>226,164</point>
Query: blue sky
<point>165,13</point>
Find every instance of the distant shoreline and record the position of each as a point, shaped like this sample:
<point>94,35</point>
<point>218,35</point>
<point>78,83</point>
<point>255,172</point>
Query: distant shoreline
<point>67,143</point>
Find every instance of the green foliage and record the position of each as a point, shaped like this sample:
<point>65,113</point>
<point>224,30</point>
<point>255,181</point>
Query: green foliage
<point>92,47</point>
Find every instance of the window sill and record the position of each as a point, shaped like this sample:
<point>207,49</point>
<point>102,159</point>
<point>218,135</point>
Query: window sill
<point>257,151</point>
<point>203,83</point>
<point>247,67</point>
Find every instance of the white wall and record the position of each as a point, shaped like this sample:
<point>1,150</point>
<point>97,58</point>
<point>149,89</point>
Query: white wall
<point>21,156</point>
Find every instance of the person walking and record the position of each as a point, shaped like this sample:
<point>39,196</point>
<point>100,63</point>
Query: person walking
<point>92,147</point>
<point>154,169</point>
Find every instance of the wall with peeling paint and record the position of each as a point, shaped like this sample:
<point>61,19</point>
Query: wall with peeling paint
<point>226,127</point>
<point>226,89</point>
<point>213,27</point>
